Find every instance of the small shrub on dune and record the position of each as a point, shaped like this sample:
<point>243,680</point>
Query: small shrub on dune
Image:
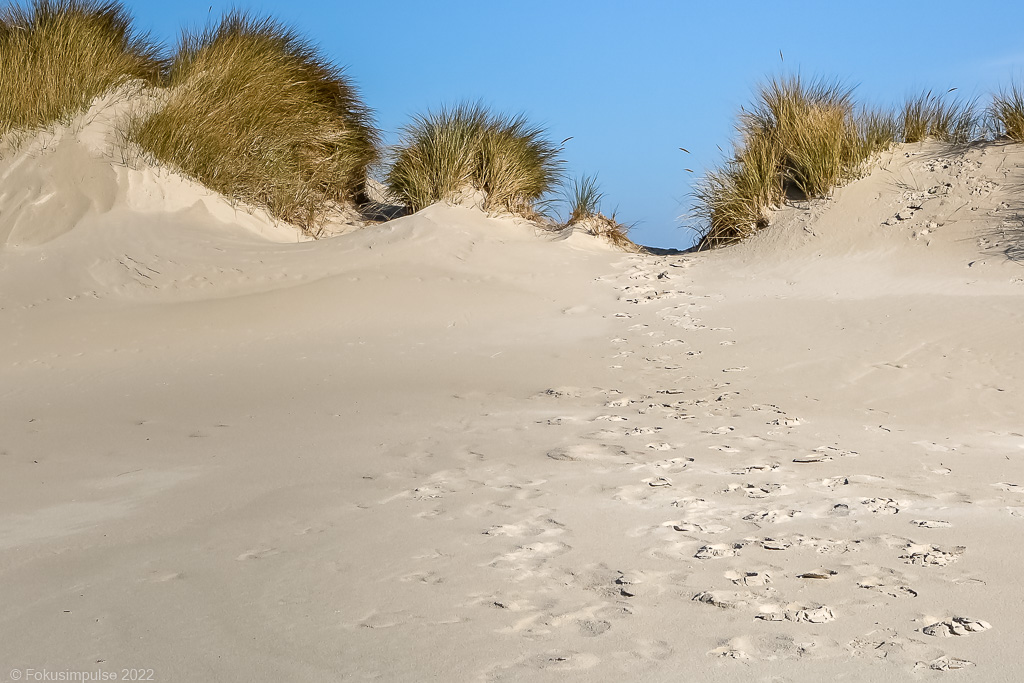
<point>933,116</point>
<point>468,148</point>
<point>1007,113</point>
<point>255,113</point>
<point>583,197</point>
<point>56,56</point>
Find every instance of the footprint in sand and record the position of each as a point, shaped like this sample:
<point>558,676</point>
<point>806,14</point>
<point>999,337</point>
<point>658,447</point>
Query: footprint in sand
<point>758,491</point>
<point>928,555</point>
<point>718,550</point>
<point>930,523</point>
<point>944,663</point>
<point>893,590</point>
<point>527,528</point>
<point>725,599</point>
<point>526,558</point>
<point>750,469</point>
<point>808,459</point>
<point>771,516</point>
<point>693,527</point>
<point>589,452</point>
<point>956,626</point>
<point>749,578</point>
<point>878,644</point>
<point>385,619</point>
<point>881,506</point>
<point>811,615</point>
<point>257,554</point>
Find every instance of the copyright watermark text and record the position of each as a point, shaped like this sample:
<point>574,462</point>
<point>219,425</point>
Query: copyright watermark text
<point>30,674</point>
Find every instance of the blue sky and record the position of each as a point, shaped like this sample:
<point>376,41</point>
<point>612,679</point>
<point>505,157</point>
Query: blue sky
<point>631,83</point>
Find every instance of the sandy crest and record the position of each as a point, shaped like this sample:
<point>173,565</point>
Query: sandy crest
<point>448,448</point>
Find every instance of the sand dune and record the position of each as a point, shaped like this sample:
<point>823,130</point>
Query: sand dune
<point>451,447</point>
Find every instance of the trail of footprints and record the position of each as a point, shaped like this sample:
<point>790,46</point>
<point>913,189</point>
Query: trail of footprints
<point>737,520</point>
<point>737,535</point>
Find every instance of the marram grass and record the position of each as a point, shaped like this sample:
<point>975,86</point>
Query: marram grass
<point>583,198</point>
<point>1006,113</point>
<point>798,139</point>
<point>467,147</point>
<point>255,113</point>
<point>938,117</point>
<point>56,56</point>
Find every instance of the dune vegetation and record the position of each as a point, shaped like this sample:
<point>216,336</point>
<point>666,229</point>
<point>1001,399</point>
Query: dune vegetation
<point>255,113</point>
<point>468,148</point>
<point>56,56</point>
<point>940,118</point>
<point>252,110</point>
<point>800,140</point>
<point>1006,113</point>
<point>583,198</point>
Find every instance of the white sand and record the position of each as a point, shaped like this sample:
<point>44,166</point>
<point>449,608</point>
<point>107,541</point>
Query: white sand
<point>448,448</point>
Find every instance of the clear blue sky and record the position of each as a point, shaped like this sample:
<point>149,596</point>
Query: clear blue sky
<point>634,82</point>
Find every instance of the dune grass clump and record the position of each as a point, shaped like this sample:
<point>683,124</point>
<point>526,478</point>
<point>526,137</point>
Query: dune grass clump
<point>812,129</point>
<point>467,147</point>
<point>255,113</point>
<point>583,198</point>
<point>56,56</point>
<point>800,139</point>
<point>934,116</point>
<point>1006,113</point>
<point>877,129</point>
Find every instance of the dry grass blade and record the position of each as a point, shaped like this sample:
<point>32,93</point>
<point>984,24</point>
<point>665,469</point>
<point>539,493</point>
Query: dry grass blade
<point>56,56</point>
<point>254,112</point>
<point>467,147</point>
<point>1006,113</point>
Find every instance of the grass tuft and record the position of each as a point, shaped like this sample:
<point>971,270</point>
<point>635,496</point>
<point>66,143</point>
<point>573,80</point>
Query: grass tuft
<point>254,112</point>
<point>877,130</point>
<point>57,56</point>
<point>800,139</point>
<point>583,197</point>
<point>1006,113</point>
<point>934,116</point>
<point>467,147</point>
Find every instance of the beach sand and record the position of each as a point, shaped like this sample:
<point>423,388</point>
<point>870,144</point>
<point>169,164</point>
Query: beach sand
<point>452,447</point>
